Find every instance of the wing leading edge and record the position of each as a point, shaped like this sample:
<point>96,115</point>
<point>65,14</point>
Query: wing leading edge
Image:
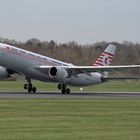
<point>89,69</point>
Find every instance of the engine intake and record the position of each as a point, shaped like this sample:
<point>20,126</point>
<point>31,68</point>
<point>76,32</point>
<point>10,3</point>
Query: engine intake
<point>53,71</point>
<point>58,72</point>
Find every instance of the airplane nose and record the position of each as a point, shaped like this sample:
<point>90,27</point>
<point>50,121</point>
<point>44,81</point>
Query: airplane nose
<point>103,78</point>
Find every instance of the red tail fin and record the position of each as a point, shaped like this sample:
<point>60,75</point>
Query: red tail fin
<point>106,57</point>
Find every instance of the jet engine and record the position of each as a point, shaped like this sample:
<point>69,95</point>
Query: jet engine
<point>58,72</point>
<point>3,73</point>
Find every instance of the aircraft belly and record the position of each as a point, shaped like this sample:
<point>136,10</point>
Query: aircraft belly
<point>37,75</point>
<point>84,80</point>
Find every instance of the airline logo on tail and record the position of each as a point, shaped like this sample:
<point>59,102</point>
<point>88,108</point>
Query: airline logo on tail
<point>106,57</point>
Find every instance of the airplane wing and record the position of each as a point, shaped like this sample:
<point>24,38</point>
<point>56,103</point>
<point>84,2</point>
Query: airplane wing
<point>102,68</point>
<point>87,69</point>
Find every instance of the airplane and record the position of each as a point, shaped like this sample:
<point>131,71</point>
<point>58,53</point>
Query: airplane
<point>35,66</point>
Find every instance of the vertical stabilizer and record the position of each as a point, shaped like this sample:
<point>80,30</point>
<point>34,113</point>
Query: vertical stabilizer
<point>106,57</point>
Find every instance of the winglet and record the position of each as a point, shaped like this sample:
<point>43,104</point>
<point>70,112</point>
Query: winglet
<point>106,57</point>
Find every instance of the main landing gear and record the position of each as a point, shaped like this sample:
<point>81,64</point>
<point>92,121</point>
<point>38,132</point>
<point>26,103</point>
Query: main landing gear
<point>31,89</point>
<point>63,88</point>
<point>29,86</point>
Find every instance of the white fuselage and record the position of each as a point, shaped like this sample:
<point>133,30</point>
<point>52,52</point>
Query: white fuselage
<point>25,62</point>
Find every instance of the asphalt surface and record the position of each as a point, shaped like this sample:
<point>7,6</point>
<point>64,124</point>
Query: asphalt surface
<point>52,95</point>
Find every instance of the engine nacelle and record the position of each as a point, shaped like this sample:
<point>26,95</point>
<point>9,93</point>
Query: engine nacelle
<point>3,73</point>
<point>58,73</point>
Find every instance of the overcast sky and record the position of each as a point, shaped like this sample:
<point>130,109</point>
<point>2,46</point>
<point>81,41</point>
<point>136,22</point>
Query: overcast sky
<point>84,21</point>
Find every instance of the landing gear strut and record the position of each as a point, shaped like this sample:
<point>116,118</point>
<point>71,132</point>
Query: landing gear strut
<point>29,86</point>
<point>63,88</point>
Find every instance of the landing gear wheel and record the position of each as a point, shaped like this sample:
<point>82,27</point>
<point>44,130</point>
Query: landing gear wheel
<point>25,86</point>
<point>29,86</point>
<point>63,90</point>
<point>59,86</point>
<point>29,89</point>
<point>34,89</point>
<point>68,91</point>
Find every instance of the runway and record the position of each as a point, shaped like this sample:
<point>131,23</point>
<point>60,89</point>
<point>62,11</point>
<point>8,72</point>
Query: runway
<point>55,95</point>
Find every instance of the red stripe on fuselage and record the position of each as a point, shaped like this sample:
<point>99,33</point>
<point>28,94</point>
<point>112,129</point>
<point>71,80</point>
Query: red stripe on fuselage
<point>29,56</point>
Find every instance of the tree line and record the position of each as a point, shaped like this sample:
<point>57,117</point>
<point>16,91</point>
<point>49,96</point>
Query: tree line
<point>127,53</point>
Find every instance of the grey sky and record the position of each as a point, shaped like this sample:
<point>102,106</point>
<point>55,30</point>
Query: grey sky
<point>84,21</point>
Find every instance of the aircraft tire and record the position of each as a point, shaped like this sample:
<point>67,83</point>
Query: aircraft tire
<point>34,89</point>
<point>63,91</point>
<point>68,91</point>
<point>59,86</point>
<point>29,89</point>
<point>25,86</point>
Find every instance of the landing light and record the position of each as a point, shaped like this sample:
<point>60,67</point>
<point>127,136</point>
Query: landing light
<point>81,89</point>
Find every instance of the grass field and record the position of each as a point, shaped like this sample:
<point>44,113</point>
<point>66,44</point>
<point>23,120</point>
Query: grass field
<point>68,119</point>
<point>41,86</point>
